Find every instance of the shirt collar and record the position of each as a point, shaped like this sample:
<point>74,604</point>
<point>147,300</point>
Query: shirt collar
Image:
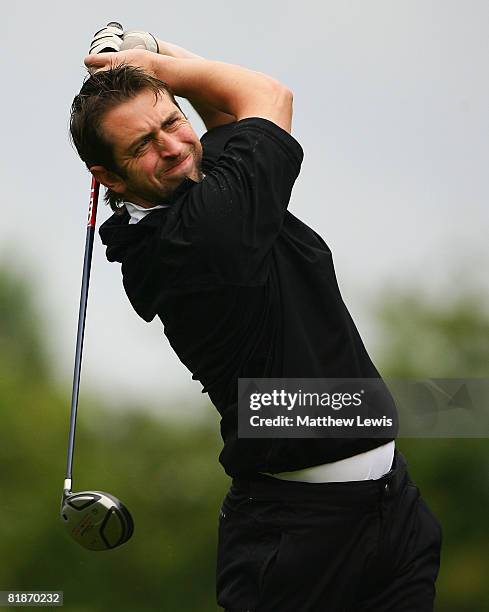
<point>136,212</point>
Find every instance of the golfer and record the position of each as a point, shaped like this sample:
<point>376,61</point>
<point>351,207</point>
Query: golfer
<point>244,289</point>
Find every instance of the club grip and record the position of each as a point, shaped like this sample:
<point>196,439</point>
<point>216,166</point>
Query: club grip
<point>92,207</point>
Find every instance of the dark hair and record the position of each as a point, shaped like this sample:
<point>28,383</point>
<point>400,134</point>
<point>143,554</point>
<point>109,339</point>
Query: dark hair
<point>100,93</point>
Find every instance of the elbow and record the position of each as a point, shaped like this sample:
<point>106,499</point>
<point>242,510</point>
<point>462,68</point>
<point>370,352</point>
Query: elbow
<point>273,102</point>
<point>282,93</point>
<point>283,104</point>
<point>289,95</point>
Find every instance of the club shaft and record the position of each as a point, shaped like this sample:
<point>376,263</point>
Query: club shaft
<point>87,261</point>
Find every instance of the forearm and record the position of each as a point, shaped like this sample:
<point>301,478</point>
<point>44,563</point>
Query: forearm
<point>231,89</point>
<point>210,115</point>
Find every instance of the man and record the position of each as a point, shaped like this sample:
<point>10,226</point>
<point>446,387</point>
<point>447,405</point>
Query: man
<point>246,290</point>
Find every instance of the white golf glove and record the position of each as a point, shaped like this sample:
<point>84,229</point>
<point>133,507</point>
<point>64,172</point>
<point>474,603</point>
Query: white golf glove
<point>107,39</point>
<point>136,39</point>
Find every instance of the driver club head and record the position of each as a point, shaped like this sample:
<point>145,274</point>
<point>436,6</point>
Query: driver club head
<point>96,520</point>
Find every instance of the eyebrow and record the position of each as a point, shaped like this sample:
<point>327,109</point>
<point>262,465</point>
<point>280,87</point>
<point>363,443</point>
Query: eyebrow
<point>143,137</point>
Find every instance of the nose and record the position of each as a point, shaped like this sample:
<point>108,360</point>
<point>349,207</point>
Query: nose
<point>169,146</point>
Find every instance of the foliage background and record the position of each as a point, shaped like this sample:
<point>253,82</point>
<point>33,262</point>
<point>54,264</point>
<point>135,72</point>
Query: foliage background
<point>167,472</point>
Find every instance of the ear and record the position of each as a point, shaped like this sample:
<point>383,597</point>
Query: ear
<point>110,179</point>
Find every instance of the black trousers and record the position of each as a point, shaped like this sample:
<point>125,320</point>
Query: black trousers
<point>334,547</point>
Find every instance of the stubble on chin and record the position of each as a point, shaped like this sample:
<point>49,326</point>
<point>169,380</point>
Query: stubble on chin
<point>167,192</point>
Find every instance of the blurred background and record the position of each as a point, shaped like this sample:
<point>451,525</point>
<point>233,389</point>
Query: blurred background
<point>391,104</point>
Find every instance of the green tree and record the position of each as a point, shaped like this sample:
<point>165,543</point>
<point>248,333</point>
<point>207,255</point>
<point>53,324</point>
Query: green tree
<point>419,338</point>
<point>21,339</point>
<point>168,477</point>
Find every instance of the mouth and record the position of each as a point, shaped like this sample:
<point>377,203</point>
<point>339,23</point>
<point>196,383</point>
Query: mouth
<point>178,167</point>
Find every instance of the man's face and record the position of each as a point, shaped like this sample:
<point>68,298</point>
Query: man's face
<point>154,146</point>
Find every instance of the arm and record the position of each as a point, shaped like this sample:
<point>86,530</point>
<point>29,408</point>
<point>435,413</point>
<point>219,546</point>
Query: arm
<point>211,116</point>
<point>230,88</point>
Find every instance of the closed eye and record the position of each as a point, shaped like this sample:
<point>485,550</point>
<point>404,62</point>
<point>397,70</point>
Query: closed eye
<point>142,144</point>
<point>169,122</point>
<point>173,120</point>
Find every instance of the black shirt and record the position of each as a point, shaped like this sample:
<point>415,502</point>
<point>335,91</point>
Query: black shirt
<point>244,288</point>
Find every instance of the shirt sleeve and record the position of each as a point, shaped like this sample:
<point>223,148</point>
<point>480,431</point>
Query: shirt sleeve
<point>213,144</point>
<point>236,213</point>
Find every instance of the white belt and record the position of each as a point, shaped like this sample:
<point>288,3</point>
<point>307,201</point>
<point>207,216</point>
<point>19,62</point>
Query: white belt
<point>370,465</point>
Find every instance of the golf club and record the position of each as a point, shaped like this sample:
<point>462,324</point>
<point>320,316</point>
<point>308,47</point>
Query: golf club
<point>94,519</point>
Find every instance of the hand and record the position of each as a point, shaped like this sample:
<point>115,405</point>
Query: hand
<point>163,48</point>
<point>137,39</point>
<point>134,57</point>
<point>108,38</point>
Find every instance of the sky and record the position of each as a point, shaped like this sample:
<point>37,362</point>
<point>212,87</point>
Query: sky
<point>391,101</point>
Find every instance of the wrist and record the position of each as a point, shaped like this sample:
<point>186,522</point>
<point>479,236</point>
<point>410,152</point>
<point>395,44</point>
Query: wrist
<point>171,50</point>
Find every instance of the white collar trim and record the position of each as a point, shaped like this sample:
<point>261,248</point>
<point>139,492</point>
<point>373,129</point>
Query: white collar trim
<point>137,213</point>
